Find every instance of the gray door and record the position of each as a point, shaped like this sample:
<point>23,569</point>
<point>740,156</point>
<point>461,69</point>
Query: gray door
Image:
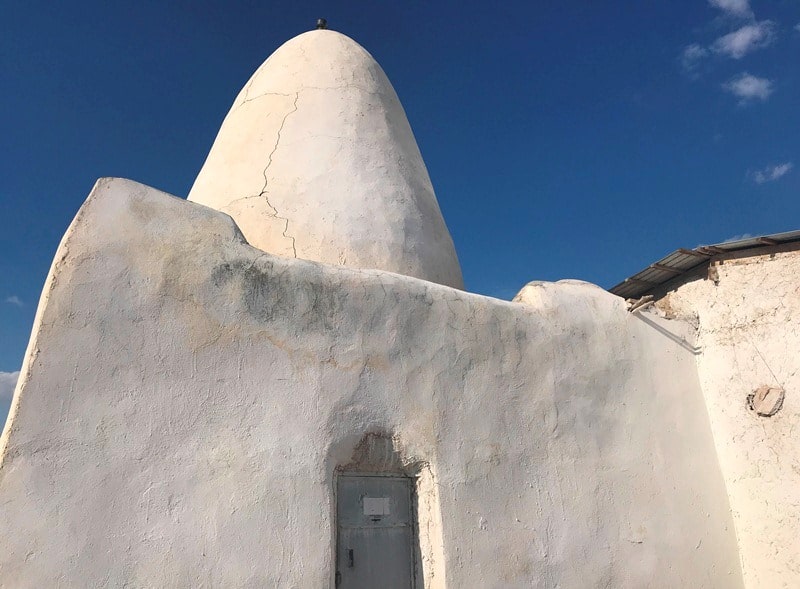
<point>375,533</point>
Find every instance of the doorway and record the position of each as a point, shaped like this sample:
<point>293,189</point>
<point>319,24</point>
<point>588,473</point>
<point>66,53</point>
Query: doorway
<point>375,532</point>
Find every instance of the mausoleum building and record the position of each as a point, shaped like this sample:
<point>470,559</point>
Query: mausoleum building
<point>280,382</point>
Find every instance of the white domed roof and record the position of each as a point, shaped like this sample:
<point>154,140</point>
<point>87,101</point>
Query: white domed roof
<point>316,160</point>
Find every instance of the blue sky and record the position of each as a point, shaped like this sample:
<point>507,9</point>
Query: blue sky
<point>573,139</point>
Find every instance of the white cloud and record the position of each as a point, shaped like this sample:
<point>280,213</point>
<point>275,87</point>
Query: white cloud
<point>749,88</point>
<point>772,173</point>
<point>738,237</point>
<point>14,300</point>
<point>740,8</point>
<point>746,39</point>
<point>8,380</point>
<point>797,27</point>
<point>692,56</point>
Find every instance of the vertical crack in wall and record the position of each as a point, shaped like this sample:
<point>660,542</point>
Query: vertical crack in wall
<point>265,191</point>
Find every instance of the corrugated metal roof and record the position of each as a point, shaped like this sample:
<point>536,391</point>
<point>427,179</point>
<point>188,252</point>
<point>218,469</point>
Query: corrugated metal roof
<point>683,260</point>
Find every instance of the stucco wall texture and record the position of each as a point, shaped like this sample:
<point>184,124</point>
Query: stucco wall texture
<point>186,399</point>
<point>746,315</point>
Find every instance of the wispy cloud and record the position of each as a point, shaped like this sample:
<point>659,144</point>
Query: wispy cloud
<point>797,27</point>
<point>746,39</point>
<point>14,300</point>
<point>692,56</point>
<point>772,173</point>
<point>738,237</point>
<point>738,8</point>
<point>749,88</point>
<point>8,380</point>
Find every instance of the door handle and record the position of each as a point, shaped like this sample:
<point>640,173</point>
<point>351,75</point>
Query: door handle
<point>350,561</point>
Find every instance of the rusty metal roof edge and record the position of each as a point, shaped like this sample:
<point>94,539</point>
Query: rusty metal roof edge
<point>702,253</point>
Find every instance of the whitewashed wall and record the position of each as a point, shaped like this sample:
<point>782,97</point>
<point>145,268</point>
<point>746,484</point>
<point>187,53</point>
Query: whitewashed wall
<point>186,398</point>
<point>747,319</point>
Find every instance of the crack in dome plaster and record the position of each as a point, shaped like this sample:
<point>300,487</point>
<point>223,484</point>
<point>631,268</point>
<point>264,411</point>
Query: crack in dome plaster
<point>264,190</point>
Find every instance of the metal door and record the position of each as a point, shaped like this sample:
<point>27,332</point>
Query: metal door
<point>375,533</point>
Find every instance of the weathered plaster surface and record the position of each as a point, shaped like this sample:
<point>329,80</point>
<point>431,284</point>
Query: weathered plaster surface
<point>186,398</point>
<point>316,160</point>
<point>747,319</point>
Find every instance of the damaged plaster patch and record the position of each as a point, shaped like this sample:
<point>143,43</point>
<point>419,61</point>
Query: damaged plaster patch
<point>671,307</point>
<point>766,401</point>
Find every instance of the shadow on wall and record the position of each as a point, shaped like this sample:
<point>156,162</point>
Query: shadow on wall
<point>681,341</point>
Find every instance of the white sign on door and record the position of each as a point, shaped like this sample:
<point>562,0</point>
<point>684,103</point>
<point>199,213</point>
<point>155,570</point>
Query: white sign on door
<point>376,506</point>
